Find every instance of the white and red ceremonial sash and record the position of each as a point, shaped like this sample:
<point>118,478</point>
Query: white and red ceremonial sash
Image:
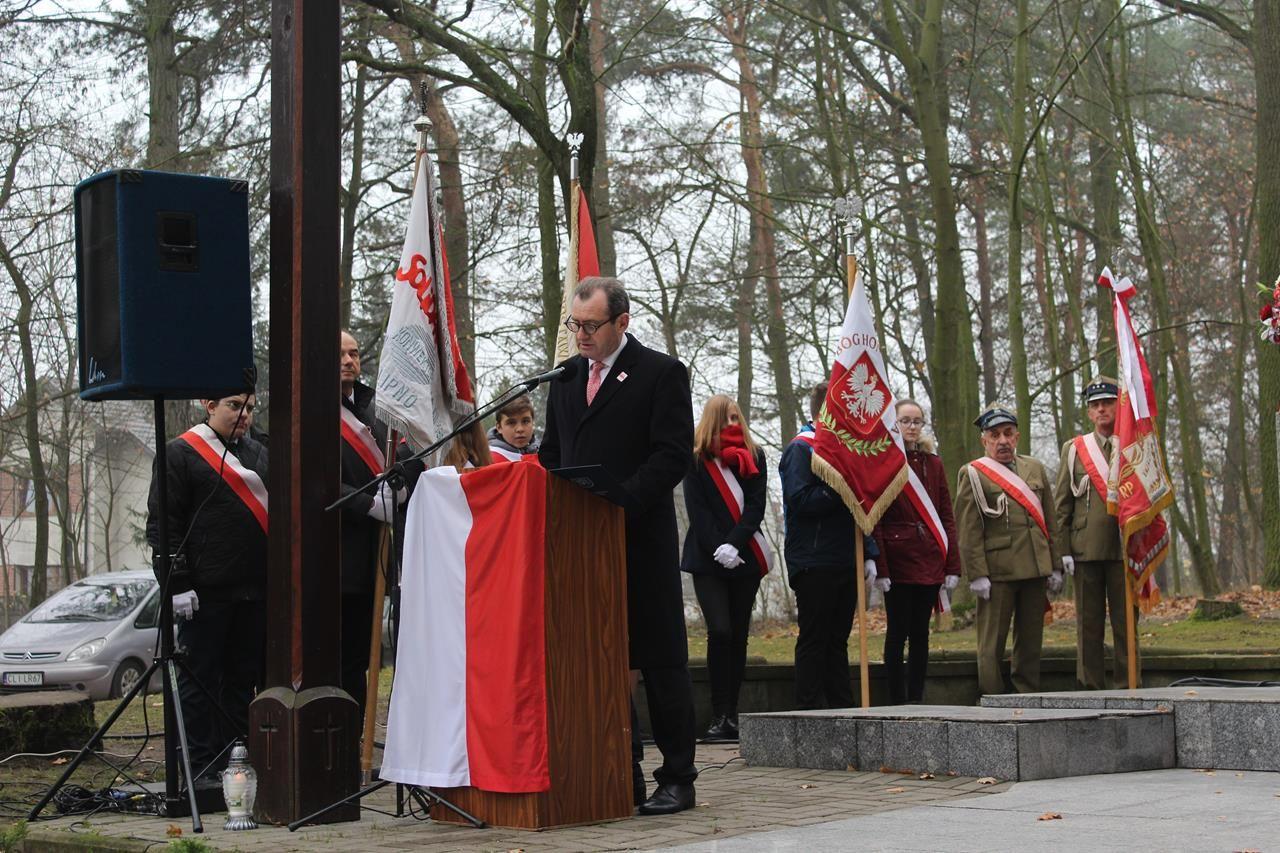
<point>244,481</point>
<point>857,448</point>
<point>359,436</point>
<point>422,381</point>
<point>1015,487</point>
<point>469,706</point>
<point>1094,461</point>
<point>805,435</point>
<point>1139,489</point>
<point>731,493</point>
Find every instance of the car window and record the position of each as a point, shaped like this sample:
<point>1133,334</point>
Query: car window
<point>93,600</point>
<point>147,616</point>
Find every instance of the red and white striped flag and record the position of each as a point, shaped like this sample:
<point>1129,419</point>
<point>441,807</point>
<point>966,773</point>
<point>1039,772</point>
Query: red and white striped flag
<point>422,380</point>
<point>470,706</point>
<point>1138,485</point>
<point>857,449</point>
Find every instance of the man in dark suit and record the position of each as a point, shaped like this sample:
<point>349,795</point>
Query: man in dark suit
<point>628,409</point>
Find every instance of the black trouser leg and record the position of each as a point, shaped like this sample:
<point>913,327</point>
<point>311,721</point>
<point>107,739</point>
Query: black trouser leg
<point>920,611</point>
<point>203,639</point>
<point>825,603</point>
<point>242,673</point>
<point>726,607</point>
<point>637,755</point>
<point>670,695</point>
<point>896,607</point>
<point>742,601</point>
<point>357,623</point>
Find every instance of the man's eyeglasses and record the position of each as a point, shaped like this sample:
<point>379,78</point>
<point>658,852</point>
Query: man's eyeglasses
<point>910,422</point>
<point>589,327</point>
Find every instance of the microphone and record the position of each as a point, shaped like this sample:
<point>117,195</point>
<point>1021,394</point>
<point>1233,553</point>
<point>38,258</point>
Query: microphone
<point>563,372</point>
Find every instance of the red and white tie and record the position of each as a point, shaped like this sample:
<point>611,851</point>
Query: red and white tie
<point>593,381</point>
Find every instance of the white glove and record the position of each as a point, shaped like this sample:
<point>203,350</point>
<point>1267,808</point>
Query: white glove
<point>1069,565</point>
<point>384,504</point>
<point>1055,582</point>
<point>727,556</point>
<point>951,582</point>
<point>981,588</point>
<point>869,569</point>
<point>883,584</point>
<point>185,604</point>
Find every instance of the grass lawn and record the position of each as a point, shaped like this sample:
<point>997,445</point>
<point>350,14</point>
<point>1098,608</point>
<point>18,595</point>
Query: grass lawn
<point>1240,634</point>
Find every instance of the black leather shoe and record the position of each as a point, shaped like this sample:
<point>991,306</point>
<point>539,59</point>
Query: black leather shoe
<point>720,731</point>
<point>669,799</point>
<point>731,721</point>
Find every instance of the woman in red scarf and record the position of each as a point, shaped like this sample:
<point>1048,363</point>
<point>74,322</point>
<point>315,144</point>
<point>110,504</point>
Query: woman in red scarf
<point>724,493</point>
<point>913,566</point>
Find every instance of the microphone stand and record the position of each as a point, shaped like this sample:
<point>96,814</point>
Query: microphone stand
<point>478,415</point>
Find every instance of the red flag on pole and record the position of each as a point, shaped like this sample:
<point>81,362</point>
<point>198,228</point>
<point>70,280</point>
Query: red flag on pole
<point>1138,485</point>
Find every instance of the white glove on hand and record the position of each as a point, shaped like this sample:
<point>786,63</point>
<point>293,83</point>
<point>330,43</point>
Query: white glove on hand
<point>384,504</point>
<point>869,569</point>
<point>1069,565</point>
<point>981,588</point>
<point>727,556</point>
<point>883,584</point>
<point>1055,582</point>
<point>951,582</point>
<point>185,604</point>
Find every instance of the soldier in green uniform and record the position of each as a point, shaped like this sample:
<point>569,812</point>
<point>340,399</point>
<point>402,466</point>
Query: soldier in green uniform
<point>1009,550</point>
<point>1091,543</point>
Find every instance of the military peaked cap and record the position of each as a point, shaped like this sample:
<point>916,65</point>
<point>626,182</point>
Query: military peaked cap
<point>996,414</point>
<point>1101,388</point>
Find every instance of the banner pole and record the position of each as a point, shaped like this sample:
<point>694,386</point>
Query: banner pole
<point>864,670</point>
<point>375,635</point>
<point>1130,630</point>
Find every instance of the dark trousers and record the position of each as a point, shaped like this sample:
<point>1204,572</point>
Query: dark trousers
<point>224,642</point>
<point>670,695</point>
<point>726,604</point>
<point>908,608</point>
<point>357,623</point>
<point>825,604</point>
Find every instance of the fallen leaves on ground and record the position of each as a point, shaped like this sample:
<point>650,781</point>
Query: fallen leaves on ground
<point>62,760</point>
<point>1050,816</point>
<point>987,780</point>
<point>927,776</point>
<point>806,786</point>
<point>896,790</point>
<point>173,831</point>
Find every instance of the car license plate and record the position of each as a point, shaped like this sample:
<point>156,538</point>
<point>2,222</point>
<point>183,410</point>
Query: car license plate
<point>23,679</point>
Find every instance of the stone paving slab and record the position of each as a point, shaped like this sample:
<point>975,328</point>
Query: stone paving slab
<point>1155,810</point>
<point>734,799</point>
<point>1235,728</point>
<point>1006,743</point>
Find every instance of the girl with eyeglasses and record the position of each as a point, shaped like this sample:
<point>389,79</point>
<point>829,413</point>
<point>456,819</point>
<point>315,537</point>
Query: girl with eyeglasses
<point>913,566</point>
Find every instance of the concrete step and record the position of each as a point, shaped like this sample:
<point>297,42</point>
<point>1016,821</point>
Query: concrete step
<point>1228,728</point>
<point>1012,744</point>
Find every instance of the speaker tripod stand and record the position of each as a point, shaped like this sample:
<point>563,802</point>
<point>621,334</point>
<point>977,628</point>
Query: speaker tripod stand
<point>176,751</point>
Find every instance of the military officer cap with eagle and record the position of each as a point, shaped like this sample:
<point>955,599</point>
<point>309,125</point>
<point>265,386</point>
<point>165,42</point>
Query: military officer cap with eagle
<point>996,414</point>
<point>1101,388</point>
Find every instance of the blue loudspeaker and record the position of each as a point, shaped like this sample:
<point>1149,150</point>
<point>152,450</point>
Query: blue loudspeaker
<point>162,286</point>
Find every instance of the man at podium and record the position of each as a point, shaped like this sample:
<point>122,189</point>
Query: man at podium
<point>628,409</point>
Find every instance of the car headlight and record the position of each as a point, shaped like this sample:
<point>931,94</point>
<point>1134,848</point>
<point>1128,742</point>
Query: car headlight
<point>88,650</point>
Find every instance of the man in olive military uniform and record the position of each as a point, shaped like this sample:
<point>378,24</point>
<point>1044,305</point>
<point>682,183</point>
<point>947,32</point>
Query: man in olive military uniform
<point>1009,548</point>
<point>1091,544</point>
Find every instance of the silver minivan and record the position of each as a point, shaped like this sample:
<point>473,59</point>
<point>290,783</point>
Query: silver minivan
<point>97,635</point>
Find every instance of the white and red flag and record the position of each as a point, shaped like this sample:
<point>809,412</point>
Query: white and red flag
<point>471,710</point>
<point>584,262</point>
<point>1138,485</point>
<point>857,449</point>
<point>422,380</point>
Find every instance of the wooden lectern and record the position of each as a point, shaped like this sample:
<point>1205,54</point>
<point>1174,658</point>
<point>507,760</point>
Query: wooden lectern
<point>588,715</point>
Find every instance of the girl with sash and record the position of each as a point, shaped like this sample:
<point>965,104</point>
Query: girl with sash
<point>724,550</point>
<point>914,565</point>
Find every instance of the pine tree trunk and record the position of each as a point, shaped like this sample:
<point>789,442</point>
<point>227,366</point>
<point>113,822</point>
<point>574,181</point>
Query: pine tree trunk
<point>1266,69</point>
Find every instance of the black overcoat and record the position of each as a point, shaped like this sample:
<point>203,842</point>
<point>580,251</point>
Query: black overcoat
<point>640,428</point>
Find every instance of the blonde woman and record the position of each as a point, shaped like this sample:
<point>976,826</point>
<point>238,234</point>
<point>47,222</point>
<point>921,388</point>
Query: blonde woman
<point>724,493</point>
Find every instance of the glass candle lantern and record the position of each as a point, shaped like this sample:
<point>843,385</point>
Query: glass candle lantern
<point>239,790</point>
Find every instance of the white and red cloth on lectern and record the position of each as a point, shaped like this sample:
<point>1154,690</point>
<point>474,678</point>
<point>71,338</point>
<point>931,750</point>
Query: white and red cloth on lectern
<point>469,706</point>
